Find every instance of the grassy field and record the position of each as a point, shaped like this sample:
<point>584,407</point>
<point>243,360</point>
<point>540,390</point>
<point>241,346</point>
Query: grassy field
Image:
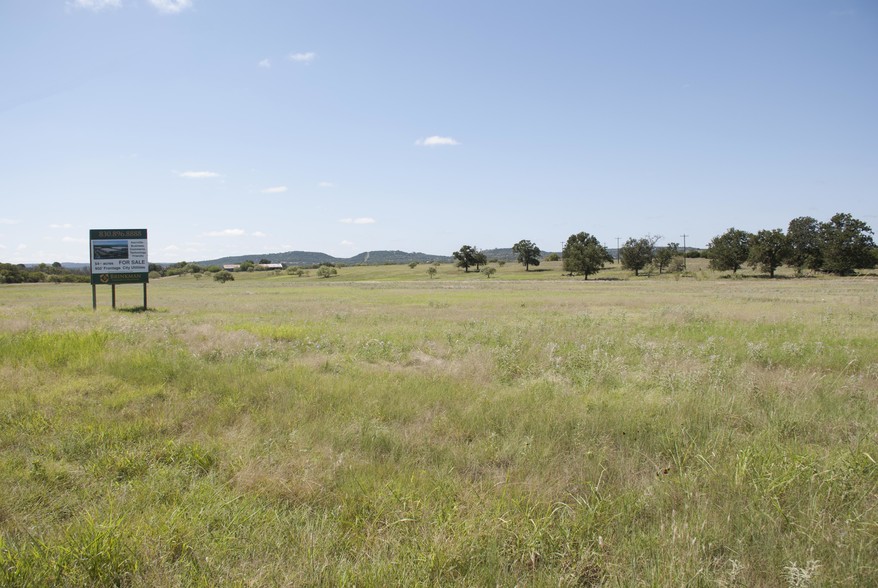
<point>384,428</point>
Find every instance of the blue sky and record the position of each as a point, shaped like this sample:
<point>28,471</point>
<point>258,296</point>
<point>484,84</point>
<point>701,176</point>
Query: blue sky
<point>227,127</point>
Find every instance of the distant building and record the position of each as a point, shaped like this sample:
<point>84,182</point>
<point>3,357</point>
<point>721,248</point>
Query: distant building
<point>270,266</point>
<point>232,267</point>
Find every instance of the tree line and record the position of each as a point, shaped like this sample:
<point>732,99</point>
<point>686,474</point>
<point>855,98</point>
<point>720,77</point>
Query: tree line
<point>582,255</point>
<point>20,274</point>
<point>838,246</point>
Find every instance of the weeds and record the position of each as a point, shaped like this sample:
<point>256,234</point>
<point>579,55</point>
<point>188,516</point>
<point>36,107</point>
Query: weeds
<point>88,553</point>
<point>797,577</point>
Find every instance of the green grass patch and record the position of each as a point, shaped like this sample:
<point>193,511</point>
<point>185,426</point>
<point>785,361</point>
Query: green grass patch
<point>53,349</point>
<point>383,428</point>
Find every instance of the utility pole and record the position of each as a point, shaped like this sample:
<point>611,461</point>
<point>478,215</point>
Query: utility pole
<point>684,251</point>
<point>617,249</point>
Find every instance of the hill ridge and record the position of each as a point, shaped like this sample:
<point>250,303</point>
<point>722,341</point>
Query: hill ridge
<point>316,257</point>
<point>376,257</point>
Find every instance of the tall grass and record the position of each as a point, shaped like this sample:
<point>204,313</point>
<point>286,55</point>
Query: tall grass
<point>469,432</point>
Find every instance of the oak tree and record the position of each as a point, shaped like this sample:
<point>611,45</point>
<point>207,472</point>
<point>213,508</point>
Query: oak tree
<point>528,253</point>
<point>846,244</point>
<point>803,238</point>
<point>636,254</point>
<point>583,254</point>
<point>768,250</point>
<point>729,251</point>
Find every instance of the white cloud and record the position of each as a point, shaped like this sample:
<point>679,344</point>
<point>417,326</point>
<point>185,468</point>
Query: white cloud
<point>265,63</point>
<point>435,141</point>
<point>171,6</point>
<point>9,221</point>
<point>363,220</point>
<point>189,247</point>
<point>226,233</point>
<point>346,243</point>
<point>73,240</point>
<point>326,185</point>
<point>275,190</point>
<point>21,247</point>
<point>61,226</point>
<point>260,234</point>
<point>163,6</point>
<point>95,5</point>
<point>198,175</point>
<point>307,57</point>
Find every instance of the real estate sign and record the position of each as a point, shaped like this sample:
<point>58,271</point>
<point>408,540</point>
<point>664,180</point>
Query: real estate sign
<point>118,256</point>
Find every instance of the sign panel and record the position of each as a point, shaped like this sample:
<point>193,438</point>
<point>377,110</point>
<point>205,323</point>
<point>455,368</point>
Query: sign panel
<point>118,256</point>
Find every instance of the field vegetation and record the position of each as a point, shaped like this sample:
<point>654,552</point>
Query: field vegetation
<point>388,426</point>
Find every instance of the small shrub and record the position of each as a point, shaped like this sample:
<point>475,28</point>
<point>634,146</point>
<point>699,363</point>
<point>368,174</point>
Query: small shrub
<point>801,577</point>
<point>677,265</point>
<point>223,277</point>
<point>326,271</point>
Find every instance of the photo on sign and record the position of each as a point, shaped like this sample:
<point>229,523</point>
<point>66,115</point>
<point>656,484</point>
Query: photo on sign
<point>110,249</point>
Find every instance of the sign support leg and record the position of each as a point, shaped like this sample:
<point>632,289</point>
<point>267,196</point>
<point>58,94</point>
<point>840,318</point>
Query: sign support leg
<point>113,286</point>
<point>144,296</point>
<point>94,297</point>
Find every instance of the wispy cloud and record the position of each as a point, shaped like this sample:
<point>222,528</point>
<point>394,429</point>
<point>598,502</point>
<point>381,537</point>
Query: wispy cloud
<point>95,5</point>
<point>436,141</point>
<point>260,234</point>
<point>171,6</point>
<point>265,63</point>
<point>346,243</point>
<point>226,233</point>
<point>275,190</point>
<point>163,6</point>
<point>189,247</point>
<point>9,221</point>
<point>61,226</point>
<point>305,57</point>
<point>74,240</point>
<point>363,220</point>
<point>326,185</point>
<point>198,175</point>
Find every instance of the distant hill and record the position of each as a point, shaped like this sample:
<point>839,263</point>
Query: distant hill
<point>305,258</point>
<point>505,254</point>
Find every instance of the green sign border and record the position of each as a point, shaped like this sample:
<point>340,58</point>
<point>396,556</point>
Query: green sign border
<point>131,278</point>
